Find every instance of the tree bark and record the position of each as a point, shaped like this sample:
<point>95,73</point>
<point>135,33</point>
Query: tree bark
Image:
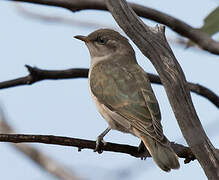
<point>153,44</point>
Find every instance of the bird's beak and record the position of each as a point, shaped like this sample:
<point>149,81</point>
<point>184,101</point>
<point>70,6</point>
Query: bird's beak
<point>82,38</point>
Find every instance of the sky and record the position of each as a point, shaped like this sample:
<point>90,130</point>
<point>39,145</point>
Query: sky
<point>65,108</point>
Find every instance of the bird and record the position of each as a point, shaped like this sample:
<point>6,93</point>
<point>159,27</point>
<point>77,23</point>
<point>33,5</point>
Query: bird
<point>123,94</point>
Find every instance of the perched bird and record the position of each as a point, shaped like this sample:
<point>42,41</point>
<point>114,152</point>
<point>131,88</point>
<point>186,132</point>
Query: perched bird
<point>123,95</point>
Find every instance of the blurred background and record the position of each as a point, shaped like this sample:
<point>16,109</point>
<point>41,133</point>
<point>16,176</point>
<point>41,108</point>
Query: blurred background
<point>42,36</point>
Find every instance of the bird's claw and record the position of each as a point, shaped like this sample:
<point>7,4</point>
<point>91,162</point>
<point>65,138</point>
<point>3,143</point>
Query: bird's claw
<point>142,151</point>
<point>99,144</point>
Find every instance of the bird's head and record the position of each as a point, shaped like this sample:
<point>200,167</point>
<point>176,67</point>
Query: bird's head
<point>104,42</point>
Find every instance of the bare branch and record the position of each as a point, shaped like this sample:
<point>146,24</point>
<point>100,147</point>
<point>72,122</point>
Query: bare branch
<point>202,39</point>
<point>205,92</point>
<point>180,42</point>
<point>36,74</point>
<point>41,159</point>
<point>182,151</point>
<point>7,134</point>
<point>59,19</point>
<point>152,43</point>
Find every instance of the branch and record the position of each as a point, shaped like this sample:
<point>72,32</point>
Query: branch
<point>153,44</point>
<point>46,18</point>
<point>182,151</point>
<point>202,39</point>
<point>23,11</point>
<point>40,158</point>
<point>36,74</point>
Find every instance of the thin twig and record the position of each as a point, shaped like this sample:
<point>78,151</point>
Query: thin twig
<point>36,74</point>
<point>202,39</point>
<point>54,18</point>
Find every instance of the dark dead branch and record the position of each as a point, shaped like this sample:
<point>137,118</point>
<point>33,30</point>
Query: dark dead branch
<point>36,75</point>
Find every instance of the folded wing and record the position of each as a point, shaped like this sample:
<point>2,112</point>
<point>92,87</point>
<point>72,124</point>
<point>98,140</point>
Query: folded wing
<point>126,91</point>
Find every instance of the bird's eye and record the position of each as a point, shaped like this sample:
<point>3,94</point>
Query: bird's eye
<point>101,40</point>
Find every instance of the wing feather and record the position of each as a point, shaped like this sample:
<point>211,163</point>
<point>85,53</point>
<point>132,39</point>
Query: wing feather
<point>126,91</point>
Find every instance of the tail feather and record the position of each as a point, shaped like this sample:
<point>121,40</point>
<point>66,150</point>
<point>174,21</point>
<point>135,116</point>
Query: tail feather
<point>163,155</point>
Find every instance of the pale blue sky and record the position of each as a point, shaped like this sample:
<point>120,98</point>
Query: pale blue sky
<point>65,108</point>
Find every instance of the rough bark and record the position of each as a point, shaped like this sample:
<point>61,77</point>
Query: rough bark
<point>152,43</point>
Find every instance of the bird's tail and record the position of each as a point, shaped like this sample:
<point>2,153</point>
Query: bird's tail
<point>163,155</point>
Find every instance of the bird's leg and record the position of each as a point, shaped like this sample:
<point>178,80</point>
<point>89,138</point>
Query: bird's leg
<point>100,140</point>
<point>141,150</point>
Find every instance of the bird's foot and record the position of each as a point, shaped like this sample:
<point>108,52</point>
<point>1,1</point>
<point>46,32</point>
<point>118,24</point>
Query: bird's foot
<point>142,151</point>
<point>99,144</point>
